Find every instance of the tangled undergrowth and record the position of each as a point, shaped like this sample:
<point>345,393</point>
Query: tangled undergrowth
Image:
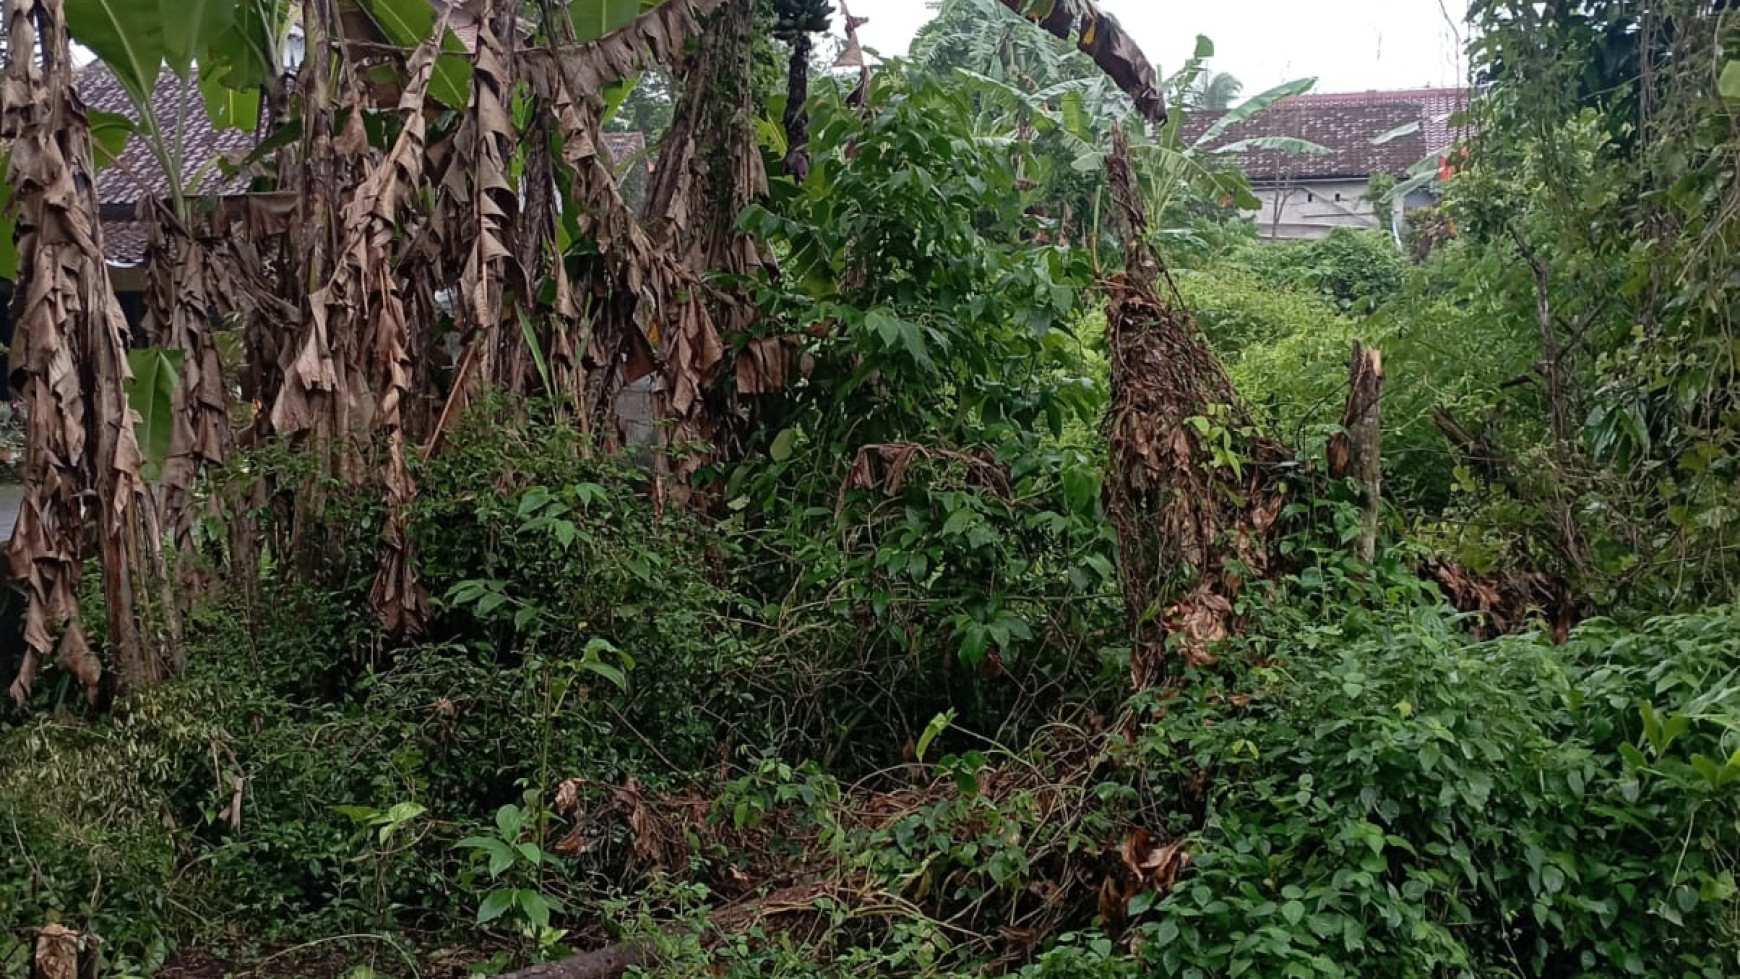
<point>601,745</point>
<point>872,715</point>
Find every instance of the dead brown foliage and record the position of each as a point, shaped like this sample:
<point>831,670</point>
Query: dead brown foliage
<point>1192,524</point>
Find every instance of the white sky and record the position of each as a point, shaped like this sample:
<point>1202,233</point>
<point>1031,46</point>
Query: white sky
<point>1349,45</point>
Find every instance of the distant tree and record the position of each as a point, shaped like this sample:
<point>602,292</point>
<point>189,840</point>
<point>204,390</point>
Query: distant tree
<point>1214,91</point>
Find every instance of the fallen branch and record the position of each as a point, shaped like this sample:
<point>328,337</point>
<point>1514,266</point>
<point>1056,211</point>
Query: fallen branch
<point>605,963</point>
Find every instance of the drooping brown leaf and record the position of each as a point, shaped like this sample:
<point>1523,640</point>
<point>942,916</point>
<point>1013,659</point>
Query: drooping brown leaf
<point>709,170</point>
<point>181,282</point>
<point>363,307</point>
<point>487,137</point>
<point>83,459</point>
<point>306,374</point>
<point>766,365</point>
<point>1100,36</point>
<point>655,38</point>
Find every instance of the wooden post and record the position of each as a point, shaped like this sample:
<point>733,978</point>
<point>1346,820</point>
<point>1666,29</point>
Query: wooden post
<point>1357,450</point>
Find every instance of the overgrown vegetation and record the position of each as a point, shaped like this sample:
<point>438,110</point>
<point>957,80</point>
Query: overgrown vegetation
<point>854,667</point>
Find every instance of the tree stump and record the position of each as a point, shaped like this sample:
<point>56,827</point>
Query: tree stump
<point>62,953</point>
<point>1357,450</point>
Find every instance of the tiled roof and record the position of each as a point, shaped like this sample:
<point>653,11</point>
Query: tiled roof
<point>626,148</point>
<point>1347,124</point>
<point>137,174</point>
<point>1439,108</point>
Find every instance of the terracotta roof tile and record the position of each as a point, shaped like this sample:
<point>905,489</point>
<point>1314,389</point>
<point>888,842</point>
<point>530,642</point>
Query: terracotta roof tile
<point>1346,124</point>
<point>1439,108</point>
<point>137,174</point>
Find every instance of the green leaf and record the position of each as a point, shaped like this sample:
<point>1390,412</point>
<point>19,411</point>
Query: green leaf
<point>1729,83</point>
<point>937,725</point>
<point>494,906</point>
<point>1633,758</point>
<point>190,25</point>
<point>535,906</point>
<point>510,819</point>
<point>608,672</point>
<point>1293,911</point>
<point>405,812</point>
<point>248,54</point>
<point>1280,144</point>
<point>1204,47</point>
<point>228,108</point>
<point>1553,879</point>
<point>1407,129</point>
<point>595,18</point>
<point>109,134</point>
<point>501,856</point>
<point>781,449</point>
<point>151,392</point>
<point>409,23</point>
<point>127,34</point>
<point>1707,767</point>
<point>615,94</point>
<point>537,352</point>
<point>285,135</point>
<point>1255,104</point>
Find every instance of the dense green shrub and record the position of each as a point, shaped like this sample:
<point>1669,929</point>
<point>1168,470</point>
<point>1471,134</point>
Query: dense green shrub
<point>1355,270</point>
<point>1408,803</point>
<point>1240,312</point>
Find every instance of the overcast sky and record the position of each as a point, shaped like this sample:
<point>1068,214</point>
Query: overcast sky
<point>1349,45</point>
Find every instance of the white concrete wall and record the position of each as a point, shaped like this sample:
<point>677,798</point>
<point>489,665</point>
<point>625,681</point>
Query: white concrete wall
<point>1311,209</point>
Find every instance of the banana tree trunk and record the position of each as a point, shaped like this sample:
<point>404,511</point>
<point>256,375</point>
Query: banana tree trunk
<point>1194,489</point>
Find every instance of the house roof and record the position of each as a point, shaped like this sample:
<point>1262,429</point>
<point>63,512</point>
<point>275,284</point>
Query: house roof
<point>1439,108</point>
<point>1348,125</point>
<point>136,174</point>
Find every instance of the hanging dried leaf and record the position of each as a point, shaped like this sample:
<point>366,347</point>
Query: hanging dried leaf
<point>362,303</point>
<point>657,37</point>
<point>709,170</point>
<point>488,138</point>
<point>68,355</point>
<point>181,283</point>
<point>1100,36</point>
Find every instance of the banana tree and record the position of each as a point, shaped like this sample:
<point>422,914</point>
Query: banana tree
<point>224,51</point>
<point>1082,115</point>
<point>177,60</point>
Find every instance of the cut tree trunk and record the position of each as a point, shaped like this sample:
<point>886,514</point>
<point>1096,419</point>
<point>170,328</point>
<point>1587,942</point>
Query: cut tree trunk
<point>605,963</point>
<point>1357,450</point>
